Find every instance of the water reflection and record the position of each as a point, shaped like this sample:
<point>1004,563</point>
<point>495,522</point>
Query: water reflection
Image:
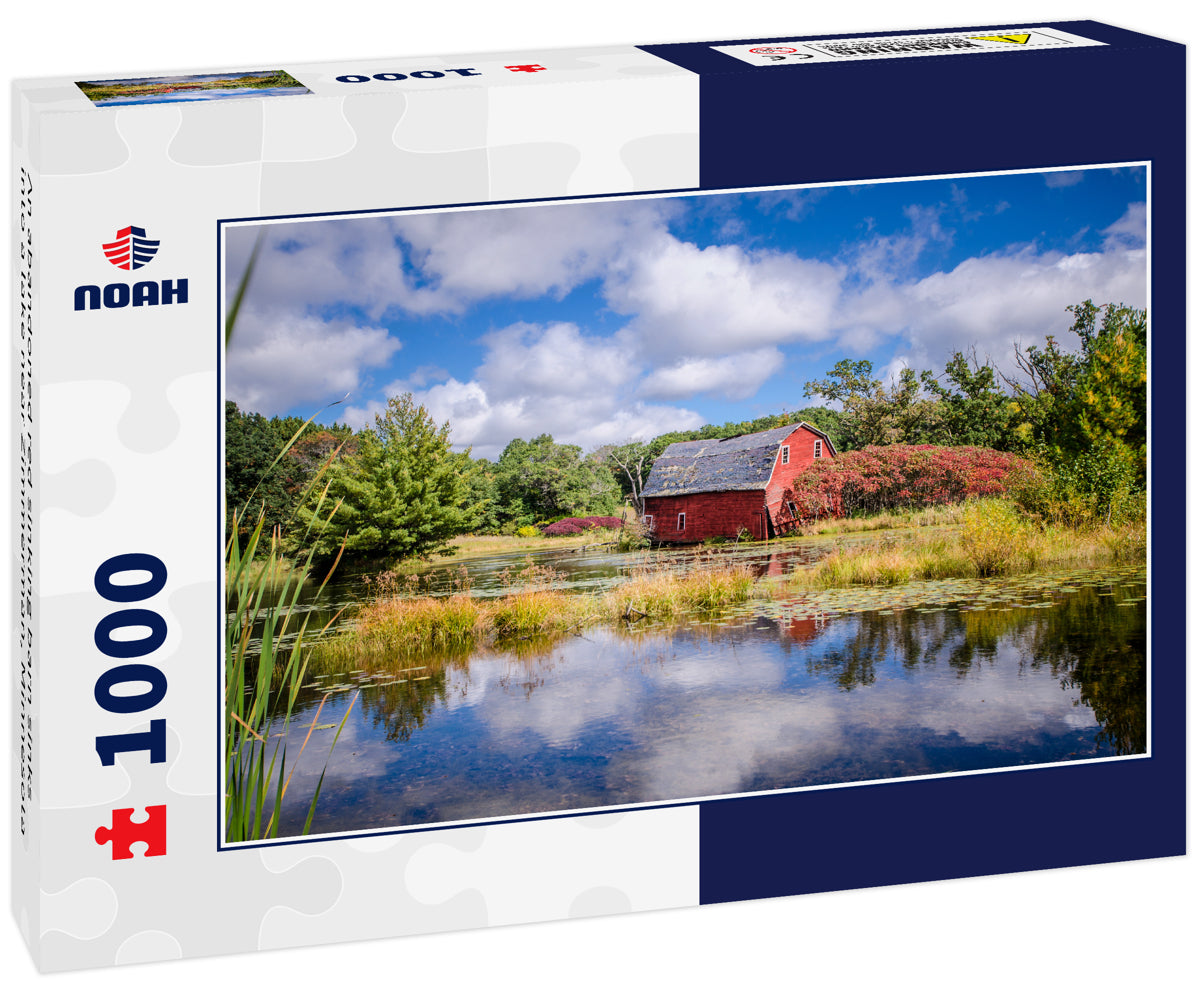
<point>767,698</point>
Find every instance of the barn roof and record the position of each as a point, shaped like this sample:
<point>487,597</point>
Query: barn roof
<point>741,463</point>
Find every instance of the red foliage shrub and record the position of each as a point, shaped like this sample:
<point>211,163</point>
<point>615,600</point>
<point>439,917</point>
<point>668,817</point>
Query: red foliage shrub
<point>574,526</point>
<point>884,478</point>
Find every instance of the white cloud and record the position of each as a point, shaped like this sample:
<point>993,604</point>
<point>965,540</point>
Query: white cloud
<point>278,361</point>
<point>312,265</point>
<point>542,379</point>
<point>701,320</point>
<point>995,301</point>
<point>734,377</point>
<point>527,252</point>
<point>1128,232</point>
<point>702,302</point>
<point>1063,178</point>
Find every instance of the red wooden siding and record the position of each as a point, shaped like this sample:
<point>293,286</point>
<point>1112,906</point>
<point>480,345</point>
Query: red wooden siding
<point>716,513</point>
<point>800,447</point>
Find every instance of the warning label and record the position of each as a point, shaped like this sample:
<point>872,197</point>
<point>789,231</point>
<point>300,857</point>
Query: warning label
<point>789,53</point>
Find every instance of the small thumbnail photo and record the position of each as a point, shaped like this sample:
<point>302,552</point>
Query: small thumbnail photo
<point>192,87</point>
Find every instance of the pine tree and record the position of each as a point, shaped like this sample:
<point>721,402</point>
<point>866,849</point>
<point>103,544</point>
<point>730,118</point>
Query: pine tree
<point>403,494</point>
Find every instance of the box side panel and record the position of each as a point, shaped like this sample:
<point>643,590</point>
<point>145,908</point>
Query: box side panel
<point>26,846</point>
<point>1044,817</point>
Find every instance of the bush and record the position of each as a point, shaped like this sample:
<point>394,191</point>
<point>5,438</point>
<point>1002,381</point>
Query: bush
<point>886,478</point>
<point>997,539</point>
<point>527,531</point>
<point>1098,487</point>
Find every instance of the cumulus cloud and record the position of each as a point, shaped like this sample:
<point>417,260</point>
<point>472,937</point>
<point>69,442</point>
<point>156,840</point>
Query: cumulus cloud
<point>527,252</point>
<point>1128,232</point>
<point>537,379</point>
<point>694,320</point>
<point>999,300</point>
<point>315,265</point>
<point>734,377</point>
<point>277,360</point>
<point>702,301</point>
<point>991,302</point>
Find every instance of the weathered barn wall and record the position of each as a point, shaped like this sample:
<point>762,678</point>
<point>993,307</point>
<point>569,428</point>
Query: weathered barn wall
<point>800,445</point>
<point>717,513</point>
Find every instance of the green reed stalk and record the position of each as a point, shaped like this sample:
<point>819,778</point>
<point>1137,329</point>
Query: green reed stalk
<point>260,691</point>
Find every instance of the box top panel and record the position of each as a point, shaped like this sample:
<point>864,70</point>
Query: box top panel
<point>799,53</point>
<point>812,51</point>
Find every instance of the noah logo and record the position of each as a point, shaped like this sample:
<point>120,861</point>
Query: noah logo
<point>131,250</point>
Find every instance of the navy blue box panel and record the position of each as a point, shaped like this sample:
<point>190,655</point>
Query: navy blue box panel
<point>940,114</point>
<point>936,829</point>
<point>988,112</point>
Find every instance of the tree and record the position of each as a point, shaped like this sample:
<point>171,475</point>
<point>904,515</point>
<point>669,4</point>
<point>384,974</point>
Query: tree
<point>974,409</point>
<point>313,451</point>
<point>403,494</point>
<point>258,476</point>
<point>482,496</point>
<point>1109,409</point>
<point>546,480</point>
<point>630,464</point>
<point>1072,404</point>
<point>872,415</point>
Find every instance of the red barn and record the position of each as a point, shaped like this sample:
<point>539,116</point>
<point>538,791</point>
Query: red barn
<point>720,486</point>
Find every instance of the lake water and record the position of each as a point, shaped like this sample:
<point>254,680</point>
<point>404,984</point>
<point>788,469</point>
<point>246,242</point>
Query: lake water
<point>839,687</point>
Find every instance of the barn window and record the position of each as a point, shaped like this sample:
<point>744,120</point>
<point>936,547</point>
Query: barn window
<point>787,454</point>
<point>817,449</point>
<point>648,521</point>
<point>682,521</point>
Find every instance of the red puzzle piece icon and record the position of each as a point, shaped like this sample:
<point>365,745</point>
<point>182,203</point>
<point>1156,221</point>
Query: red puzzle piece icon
<point>124,832</point>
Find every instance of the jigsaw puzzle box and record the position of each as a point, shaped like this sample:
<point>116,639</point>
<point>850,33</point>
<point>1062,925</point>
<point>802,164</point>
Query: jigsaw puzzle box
<point>467,490</point>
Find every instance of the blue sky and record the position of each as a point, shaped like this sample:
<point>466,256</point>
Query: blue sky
<point>606,321</point>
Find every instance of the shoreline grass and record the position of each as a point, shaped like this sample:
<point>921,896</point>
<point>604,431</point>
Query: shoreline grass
<point>991,540</point>
<point>406,625</point>
<point>988,544</point>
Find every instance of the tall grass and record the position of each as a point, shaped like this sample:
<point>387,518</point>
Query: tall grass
<point>945,514</point>
<point>262,689</point>
<point>994,539</point>
<point>533,607</point>
<point>264,588</point>
<point>662,594</point>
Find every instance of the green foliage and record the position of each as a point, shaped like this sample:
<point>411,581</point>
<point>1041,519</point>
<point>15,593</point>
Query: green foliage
<point>482,503</point>
<point>1098,487</point>
<point>403,494</point>
<point>873,415</point>
<point>1073,404</point>
<point>1110,396</point>
<point>261,689</point>
<point>974,409</point>
<point>996,538</point>
<point>288,426</point>
<point>545,480</point>
<point>258,478</point>
<point>848,381</point>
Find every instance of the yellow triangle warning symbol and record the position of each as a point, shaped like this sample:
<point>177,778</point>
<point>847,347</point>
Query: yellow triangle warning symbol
<point>1015,39</point>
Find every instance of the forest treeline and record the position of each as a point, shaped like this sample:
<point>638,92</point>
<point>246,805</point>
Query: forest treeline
<point>402,490</point>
